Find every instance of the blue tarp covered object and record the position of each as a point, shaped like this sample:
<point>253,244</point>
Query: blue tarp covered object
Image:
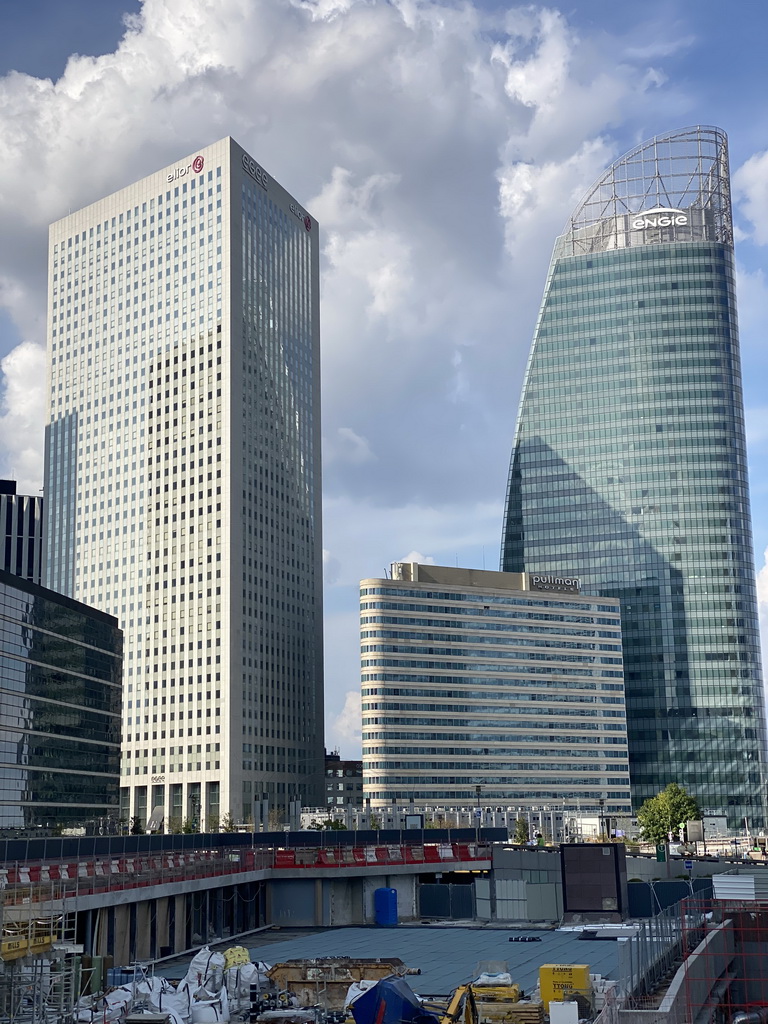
<point>390,1001</point>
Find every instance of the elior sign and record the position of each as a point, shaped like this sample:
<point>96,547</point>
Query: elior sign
<point>181,172</point>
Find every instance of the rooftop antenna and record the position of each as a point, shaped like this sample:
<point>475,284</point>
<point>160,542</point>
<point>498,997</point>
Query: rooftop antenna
<point>483,556</point>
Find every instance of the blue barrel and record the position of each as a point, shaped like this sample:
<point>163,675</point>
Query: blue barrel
<point>117,976</point>
<point>385,907</point>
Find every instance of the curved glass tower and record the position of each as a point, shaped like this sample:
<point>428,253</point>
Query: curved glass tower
<point>629,466</point>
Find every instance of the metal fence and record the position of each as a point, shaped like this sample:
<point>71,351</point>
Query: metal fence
<point>661,944</point>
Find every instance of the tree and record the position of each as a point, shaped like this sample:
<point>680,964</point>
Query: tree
<point>330,825</point>
<point>275,819</point>
<point>137,829</point>
<point>228,823</point>
<point>666,813</point>
<point>521,833</point>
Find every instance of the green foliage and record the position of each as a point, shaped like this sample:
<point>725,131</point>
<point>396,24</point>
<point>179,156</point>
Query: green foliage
<point>174,826</point>
<point>188,826</point>
<point>331,825</point>
<point>667,812</point>
<point>521,834</point>
<point>274,819</point>
<point>228,823</point>
<point>137,829</point>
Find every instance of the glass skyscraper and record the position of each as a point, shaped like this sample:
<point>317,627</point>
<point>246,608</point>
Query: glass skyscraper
<point>629,467</point>
<point>183,477</point>
<point>60,666</point>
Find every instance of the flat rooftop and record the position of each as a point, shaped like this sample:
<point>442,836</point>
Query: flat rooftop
<point>446,955</point>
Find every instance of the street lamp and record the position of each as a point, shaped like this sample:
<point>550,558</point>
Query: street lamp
<point>478,812</point>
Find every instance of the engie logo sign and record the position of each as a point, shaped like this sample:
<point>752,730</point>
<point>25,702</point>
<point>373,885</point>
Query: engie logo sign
<point>661,217</point>
<point>194,168</point>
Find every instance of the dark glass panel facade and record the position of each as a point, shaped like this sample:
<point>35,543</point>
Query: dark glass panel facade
<point>60,692</point>
<point>629,470</point>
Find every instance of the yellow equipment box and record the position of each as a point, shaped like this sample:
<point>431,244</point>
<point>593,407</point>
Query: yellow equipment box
<point>563,981</point>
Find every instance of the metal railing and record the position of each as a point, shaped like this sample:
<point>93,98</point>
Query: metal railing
<point>651,956</point>
<point>21,883</point>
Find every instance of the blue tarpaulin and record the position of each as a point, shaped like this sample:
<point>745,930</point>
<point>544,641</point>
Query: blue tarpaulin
<point>390,1001</point>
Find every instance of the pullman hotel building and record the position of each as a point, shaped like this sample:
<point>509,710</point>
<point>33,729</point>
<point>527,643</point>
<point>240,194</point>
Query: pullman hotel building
<point>182,478</point>
<point>510,682</point>
<point>630,466</point>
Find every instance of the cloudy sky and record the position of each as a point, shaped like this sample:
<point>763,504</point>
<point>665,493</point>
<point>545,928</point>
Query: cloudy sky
<point>441,145</point>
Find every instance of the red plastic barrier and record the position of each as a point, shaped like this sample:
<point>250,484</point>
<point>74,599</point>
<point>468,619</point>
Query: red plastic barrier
<point>284,858</point>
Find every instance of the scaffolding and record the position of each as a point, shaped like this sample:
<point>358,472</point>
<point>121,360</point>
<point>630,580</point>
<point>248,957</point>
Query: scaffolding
<point>40,971</point>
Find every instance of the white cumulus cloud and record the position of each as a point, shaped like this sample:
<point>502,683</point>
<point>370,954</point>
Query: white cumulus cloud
<point>21,413</point>
<point>441,146</point>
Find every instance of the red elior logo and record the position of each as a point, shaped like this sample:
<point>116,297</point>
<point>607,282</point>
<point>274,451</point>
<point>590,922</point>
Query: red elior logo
<point>197,164</point>
<point>308,223</point>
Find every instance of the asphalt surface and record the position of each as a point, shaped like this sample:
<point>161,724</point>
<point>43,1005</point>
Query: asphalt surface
<point>446,956</point>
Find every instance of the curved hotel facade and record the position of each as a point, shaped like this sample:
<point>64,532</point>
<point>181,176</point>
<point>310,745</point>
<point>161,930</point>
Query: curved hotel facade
<point>505,687</point>
<point>629,467</point>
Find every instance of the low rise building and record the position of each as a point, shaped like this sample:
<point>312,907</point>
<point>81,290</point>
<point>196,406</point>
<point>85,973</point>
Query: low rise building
<point>493,689</point>
<point>343,782</point>
<point>21,521</point>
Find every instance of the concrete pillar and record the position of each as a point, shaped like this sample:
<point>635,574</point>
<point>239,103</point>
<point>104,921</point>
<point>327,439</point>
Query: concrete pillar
<point>319,903</point>
<point>162,924</point>
<point>122,936</point>
<point>143,910</point>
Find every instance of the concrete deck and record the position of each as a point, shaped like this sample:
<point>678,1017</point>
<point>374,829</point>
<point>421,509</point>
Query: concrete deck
<point>447,956</point>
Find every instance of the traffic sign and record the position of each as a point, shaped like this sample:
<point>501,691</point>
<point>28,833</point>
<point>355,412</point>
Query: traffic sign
<point>688,864</point>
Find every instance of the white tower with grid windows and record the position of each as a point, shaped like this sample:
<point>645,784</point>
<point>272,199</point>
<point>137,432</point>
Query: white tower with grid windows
<point>182,477</point>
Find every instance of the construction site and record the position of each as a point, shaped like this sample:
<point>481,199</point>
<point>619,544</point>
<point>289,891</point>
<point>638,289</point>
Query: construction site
<point>702,959</point>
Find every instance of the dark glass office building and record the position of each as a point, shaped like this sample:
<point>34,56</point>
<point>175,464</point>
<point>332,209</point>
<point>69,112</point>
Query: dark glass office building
<point>629,467</point>
<point>60,690</point>
<point>21,516</point>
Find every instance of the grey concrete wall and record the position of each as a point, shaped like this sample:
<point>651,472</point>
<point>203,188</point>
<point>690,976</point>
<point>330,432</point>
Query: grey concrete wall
<point>526,885</point>
<point>534,865</point>
<point>648,869</point>
<point>406,886</point>
<point>292,902</point>
<point>483,902</point>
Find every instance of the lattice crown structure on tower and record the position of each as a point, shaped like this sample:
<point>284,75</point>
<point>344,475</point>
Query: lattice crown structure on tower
<point>672,188</point>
